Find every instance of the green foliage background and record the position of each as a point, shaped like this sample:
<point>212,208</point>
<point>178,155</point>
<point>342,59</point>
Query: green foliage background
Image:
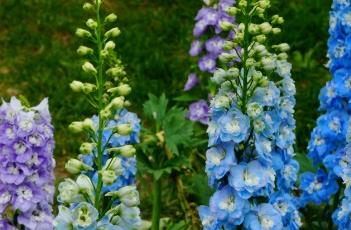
<point>38,58</point>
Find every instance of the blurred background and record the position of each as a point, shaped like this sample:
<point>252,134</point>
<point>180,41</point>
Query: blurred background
<point>38,54</point>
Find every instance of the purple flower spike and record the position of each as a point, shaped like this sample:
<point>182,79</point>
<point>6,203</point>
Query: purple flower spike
<point>196,48</point>
<point>192,81</point>
<point>207,64</point>
<point>26,165</point>
<point>198,111</point>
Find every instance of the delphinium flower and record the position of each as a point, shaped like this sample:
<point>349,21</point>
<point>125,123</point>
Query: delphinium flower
<point>26,166</point>
<point>206,47</point>
<point>329,138</point>
<point>103,194</point>
<point>251,129</point>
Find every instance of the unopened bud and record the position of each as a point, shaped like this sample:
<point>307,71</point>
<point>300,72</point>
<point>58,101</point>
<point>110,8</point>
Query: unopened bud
<point>114,32</point>
<point>76,127</point>
<point>75,166</point>
<point>86,148</point>
<point>91,23</point>
<point>88,124</point>
<point>89,68</point>
<point>265,28</point>
<point>110,45</point>
<point>88,88</point>
<point>226,26</point>
<point>88,7</point>
<point>124,129</point>
<point>108,176</point>
<point>83,33</point>
<point>76,86</point>
<point>83,50</point>
<point>117,103</point>
<point>111,18</point>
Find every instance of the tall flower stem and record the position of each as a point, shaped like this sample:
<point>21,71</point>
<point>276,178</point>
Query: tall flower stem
<point>156,207</point>
<point>100,106</point>
<point>245,57</point>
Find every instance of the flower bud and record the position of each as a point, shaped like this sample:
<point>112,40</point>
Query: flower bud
<point>68,192</point>
<point>283,47</point>
<point>106,113</point>
<point>83,33</point>
<point>228,45</point>
<point>83,50</point>
<point>108,177</point>
<point>114,164</point>
<point>111,18</point>
<point>110,45</point>
<point>128,195</point>
<point>122,90</point>
<point>264,4</point>
<point>89,68</point>
<point>86,148</point>
<point>88,124</point>
<point>88,88</point>
<point>268,63</point>
<point>91,23</point>
<point>261,38</point>
<point>276,19</point>
<point>127,103</point>
<point>226,57</point>
<point>124,129</point>
<point>126,150</point>
<point>276,31</point>
<point>283,56</point>
<point>114,72</point>
<point>242,3</point>
<point>258,125</point>
<point>85,185</point>
<point>265,28</point>
<point>76,86</point>
<point>88,7</point>
<point>250,62</point>
<point>226,26</point>
<point>117,102</point>
<point>76,127</point>
<point>232,11</point>
<point>104,54</point>
<point>75,166</point>
<point>114,32</point>
<point>254,110</point>
<point>219,76</point>
<point>233,72</point>
<point>254,29</point>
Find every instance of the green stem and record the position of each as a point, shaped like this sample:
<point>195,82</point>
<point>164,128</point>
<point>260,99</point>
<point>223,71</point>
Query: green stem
<point>246,51</point>
<point>156,206</point>
<point>100,86</point>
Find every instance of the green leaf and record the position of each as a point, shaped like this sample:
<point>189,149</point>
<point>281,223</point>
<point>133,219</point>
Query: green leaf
<point>305,163</point>
<point>178,130</point>
<point>200,189</point>
<point>186,98</point>
<point>155,108</point>
<point>178,226</point>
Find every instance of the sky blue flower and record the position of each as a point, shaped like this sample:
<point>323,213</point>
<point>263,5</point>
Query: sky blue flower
<point>219,160</point>
<point>249,178</point>
<point>228,206</point>
<point>264,216</point>
<point>234,126</point>
<point>208,219</point>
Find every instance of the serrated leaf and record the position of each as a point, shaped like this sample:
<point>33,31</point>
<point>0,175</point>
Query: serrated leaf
<point>155,108</point>
<point>178,130</point>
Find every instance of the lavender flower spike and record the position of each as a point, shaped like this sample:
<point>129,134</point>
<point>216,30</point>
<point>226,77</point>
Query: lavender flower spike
<point>26,166</point>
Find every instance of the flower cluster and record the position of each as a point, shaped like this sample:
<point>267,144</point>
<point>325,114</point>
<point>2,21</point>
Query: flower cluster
<point>103,195</point>
<point>251,129</point>
<point>26,166</point>
<point>208,45</point>
<point>329,137</point>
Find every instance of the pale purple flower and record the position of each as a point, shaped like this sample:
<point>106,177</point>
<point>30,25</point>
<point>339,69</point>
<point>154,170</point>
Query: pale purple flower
<point>196,48</point>
<point>192,81</point>
<point>215,45</point>
<point>198,111</point>
<point>207,63</point>
<point>26,164</point>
